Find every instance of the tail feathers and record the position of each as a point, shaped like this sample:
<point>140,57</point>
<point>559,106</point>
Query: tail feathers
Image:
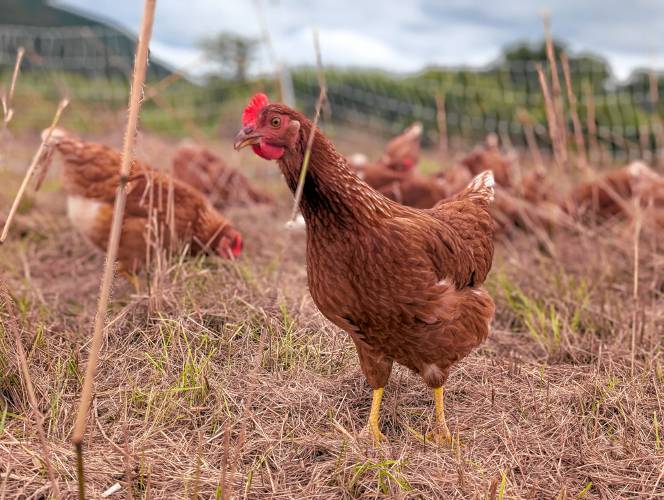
<point>51,143</point>
<point>638,170</point>
<point>358,159</point>
<point>480,188</point>
<point>57,134</point>
<point>414,131</point>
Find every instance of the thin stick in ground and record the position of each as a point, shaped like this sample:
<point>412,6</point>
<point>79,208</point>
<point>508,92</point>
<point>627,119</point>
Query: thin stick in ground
<point>13,326</point>
<point>285,90</point>
<point>7,110</point>
<point>310,141</point>
<point>552,123</point>
<point>31,169</point>
<point>556,96</point>
<point>441,121</point>
<point>576,123</point>
<point>653,96</point>
<point>529,131</point>
<point>635,286</point>
<point>227,492</point>
<point>594,151</point>
<point>140,68</point>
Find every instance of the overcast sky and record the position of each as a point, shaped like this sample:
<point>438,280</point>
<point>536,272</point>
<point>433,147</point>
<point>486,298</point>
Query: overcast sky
<point>403,35</point>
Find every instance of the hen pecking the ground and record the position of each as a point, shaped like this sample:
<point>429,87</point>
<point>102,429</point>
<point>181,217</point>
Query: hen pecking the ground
<point>404,283</point>
<point>91,175</point>
<point>223,185</point>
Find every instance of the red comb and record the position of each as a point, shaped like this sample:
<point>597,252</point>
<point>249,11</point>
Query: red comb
<point>250,113</point>
<point>236,247</point>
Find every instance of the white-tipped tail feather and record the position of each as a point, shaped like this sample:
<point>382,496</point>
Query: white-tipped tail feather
<point>638,169</point>
<point>358,160</point>
<point>56,134</point>
<point>297,223</point>
<point>483,184</point>
<point>414,131</point>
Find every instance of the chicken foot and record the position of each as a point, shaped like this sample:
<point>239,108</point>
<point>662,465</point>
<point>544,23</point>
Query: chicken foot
<point>132,278</point>
<point>441,434</point>
<point>374,421</point>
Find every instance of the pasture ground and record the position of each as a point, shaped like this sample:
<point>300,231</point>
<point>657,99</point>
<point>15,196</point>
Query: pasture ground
<point>223,375</point>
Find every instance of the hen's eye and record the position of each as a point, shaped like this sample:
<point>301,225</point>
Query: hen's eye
<point>275,121</point>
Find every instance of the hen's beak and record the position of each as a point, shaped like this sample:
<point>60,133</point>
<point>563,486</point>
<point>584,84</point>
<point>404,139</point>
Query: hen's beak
<point>246,137</point>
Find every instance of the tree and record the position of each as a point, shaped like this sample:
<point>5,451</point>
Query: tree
<point>586,66</point>
<point>524,51</point>
<point>234,53</point>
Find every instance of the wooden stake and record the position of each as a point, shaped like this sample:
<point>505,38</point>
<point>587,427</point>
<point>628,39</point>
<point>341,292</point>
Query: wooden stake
<point>658,130</point>
<point>140,69</point>
<point>529,131</point>
<point>590,123</point>
<point>7,110</point>
<point>635,287</point>
<point>571,98</point>
<point>555,88</point>
<point>284,90</point>
<point>441,121</point>
<point>31,169</point>
<point>550,117</point>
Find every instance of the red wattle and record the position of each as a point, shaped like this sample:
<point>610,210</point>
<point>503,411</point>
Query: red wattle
<point>268,151</point>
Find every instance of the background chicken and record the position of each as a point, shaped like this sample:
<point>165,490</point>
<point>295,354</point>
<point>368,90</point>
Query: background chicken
<point>610,195</point>
<point>522,204</point>
<point>398,162</point>
<point>405,284</point>
<point>417,190</point>
<point>90,177</point>
<point>489,157</point>
<point>402,153</point>
<point>224,185</point>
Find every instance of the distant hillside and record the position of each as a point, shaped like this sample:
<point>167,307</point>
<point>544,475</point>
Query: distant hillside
<point>74,40</point>
<point>40,13</point>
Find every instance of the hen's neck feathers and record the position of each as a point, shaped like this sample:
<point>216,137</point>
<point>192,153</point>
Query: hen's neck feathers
<point>332,192</point>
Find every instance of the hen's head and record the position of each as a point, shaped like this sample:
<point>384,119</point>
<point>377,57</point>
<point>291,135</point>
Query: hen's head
<point>229,244</point>
<point>270,129</point>
<point>403,152</point>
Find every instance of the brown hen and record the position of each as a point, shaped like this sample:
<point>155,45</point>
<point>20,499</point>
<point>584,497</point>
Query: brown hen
<point>610,195</point>
<point>222,184</point>
<point>417,190</point>
<point>90,177</point>
<point>398,162</point>
<point>489,157</point>
<point>405,284</point>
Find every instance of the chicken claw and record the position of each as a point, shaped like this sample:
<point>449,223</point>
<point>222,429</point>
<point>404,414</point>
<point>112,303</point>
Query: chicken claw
<point>133,279</point>
<point>374,424</point>
<point>441,434</point>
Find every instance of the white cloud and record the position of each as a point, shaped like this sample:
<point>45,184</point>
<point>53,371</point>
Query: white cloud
<point>402,36</point>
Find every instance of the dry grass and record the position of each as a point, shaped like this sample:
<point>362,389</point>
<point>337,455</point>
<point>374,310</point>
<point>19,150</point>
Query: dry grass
<point>233,381</point>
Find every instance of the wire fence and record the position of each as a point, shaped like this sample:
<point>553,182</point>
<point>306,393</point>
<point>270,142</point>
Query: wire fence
<point>625,120</point>
<point>621,118</point>
<point>90,50</point>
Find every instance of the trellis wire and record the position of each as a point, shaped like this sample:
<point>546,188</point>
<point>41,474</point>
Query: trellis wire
<point>484,100</point>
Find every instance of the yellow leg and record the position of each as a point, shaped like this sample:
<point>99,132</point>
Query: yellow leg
<point>133,279</point>
<point>441,434</point>
<point>374,424</point>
